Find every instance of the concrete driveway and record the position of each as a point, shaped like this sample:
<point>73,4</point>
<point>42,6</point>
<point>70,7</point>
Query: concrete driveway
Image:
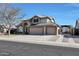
<point>52,40</point>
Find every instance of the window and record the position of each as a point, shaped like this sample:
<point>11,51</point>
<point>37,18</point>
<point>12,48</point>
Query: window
<point>36,20</point>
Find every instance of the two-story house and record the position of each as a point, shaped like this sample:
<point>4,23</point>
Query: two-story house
<point>41,25</point>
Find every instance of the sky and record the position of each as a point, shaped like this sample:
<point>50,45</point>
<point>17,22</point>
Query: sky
<point>63,13</point>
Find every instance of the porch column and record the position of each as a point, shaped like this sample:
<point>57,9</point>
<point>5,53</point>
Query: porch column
<point>44,30</point>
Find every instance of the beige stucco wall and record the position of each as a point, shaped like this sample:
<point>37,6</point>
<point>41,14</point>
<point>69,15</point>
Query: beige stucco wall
<point>41,21</point>
<point>44,20</point>
<point>58,31</point>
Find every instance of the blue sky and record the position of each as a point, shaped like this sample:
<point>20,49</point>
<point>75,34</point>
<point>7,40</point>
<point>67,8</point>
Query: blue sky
<point>63,13</point>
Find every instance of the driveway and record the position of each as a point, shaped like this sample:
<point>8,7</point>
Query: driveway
<point>71,39</point>
<point>53,40</point>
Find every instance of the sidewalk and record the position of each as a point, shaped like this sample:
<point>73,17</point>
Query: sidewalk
<point>40,39</point>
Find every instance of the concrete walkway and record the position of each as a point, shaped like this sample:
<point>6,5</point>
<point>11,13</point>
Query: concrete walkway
<point>52,40</point>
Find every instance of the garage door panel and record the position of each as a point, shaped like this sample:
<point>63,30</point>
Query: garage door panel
<point>36,30</point>
<point>51,30</point>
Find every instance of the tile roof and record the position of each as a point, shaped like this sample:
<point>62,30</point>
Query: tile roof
<point>40,16</point>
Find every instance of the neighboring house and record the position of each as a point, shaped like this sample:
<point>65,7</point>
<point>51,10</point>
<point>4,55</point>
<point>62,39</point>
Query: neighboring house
<point>76,29</point>
<point>3,29</point>
<point>40,25</point>
<point>67,29</point>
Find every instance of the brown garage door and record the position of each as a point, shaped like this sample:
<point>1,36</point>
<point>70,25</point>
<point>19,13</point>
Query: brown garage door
<point>36,30</point>
<point>51,30</point>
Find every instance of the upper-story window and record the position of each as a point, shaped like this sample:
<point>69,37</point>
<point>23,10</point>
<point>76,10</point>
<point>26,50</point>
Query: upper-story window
<point>36,20</point>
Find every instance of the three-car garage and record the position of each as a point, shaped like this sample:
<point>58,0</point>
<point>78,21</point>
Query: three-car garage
<point>43,30</point>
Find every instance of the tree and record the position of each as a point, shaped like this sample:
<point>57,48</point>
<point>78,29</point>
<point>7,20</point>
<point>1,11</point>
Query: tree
<point>9,15</point>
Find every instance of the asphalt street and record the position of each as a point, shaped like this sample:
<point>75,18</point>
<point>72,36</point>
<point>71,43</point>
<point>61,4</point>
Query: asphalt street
<point>26,49</point>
